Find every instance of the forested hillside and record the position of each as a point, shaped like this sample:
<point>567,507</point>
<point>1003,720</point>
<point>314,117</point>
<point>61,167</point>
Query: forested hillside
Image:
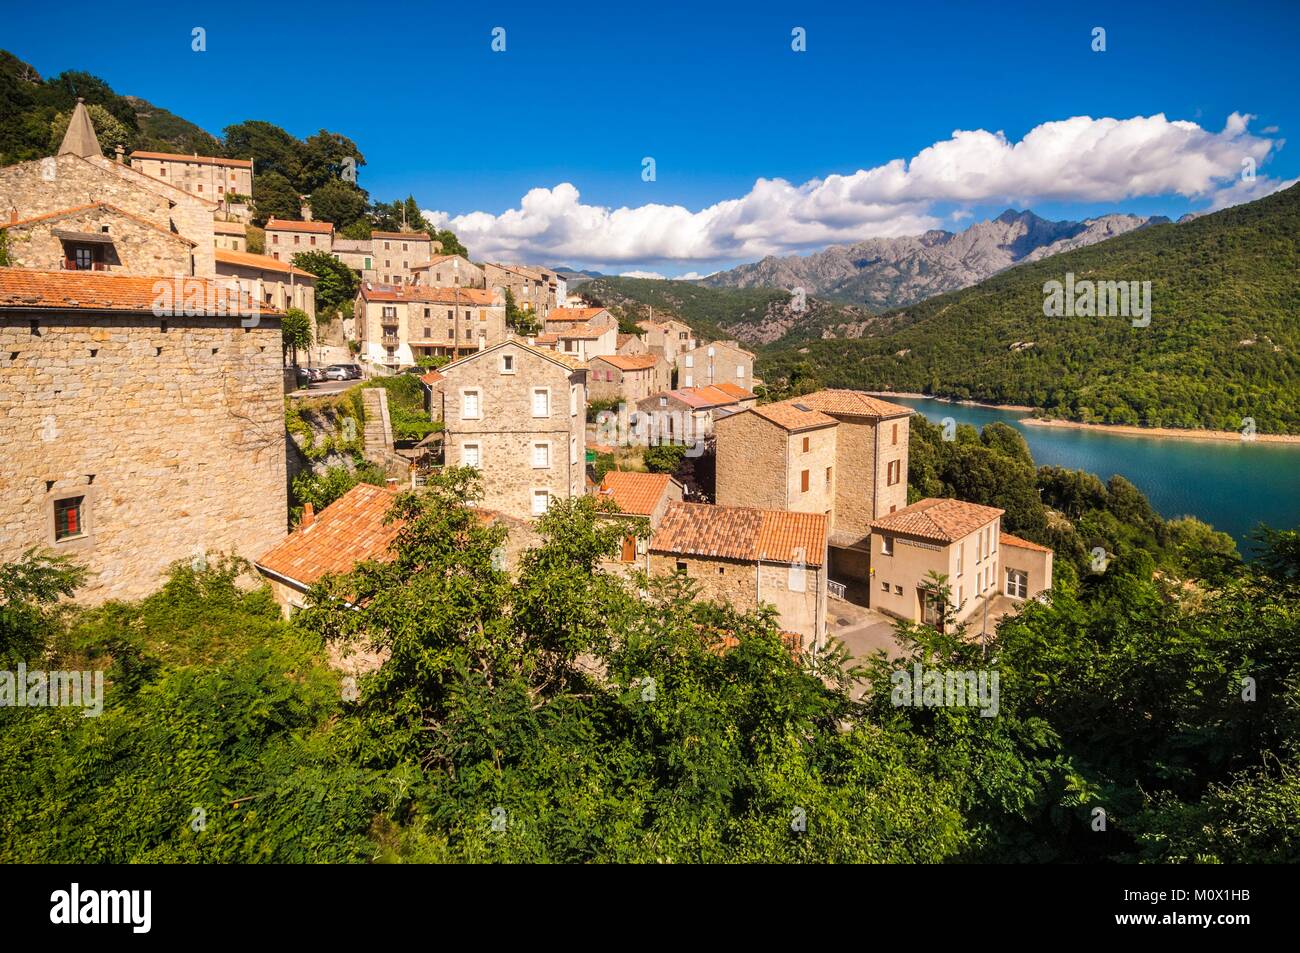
<point>1223,341</point>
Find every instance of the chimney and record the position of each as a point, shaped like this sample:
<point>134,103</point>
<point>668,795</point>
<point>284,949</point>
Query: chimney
<point>391,483</point>
<point>308,515</point>
<point>13,214</point>
<point>121,155</point>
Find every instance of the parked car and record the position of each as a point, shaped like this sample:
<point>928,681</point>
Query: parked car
<point>351,372</point>
<point>304,378</point>
<point>337,372</point>
<point>317,373</point>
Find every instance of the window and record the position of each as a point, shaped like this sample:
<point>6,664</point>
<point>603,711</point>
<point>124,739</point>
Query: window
<point>275,239</point>
<point>387,246</point>
<point>898,590</point>
<point>995,541</point>
<point>740,371</point>
<point>573,450</point>
<point>470,407</point>
<point>961,557</point>
<point>797,578</point>
<point>541,500</point>
<point>805,444</point>
<point>690,360</point>
<point>961,596</point>
<point>573,400</point>
<point>1017,584</point>
<point>469,455</point>
<point>690,381</point>
<point>979,581</point>
<point>368,264</point>
<point>884,586</point>
<point>541,402</point>
<point>507,363</point>
<point>886,545</point>
<point>893,472</point>
<point>803,481</point>
<point>313,239</point>
<point>297,239</point>
<point>681,566</point>
<point>828,478</point>
<point>68,522</point>
<point>541,456</point>
<point>404,247</point>
<point>428,332</point>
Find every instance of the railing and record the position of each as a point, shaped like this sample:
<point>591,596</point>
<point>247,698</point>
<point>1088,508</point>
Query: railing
<point>837,589</point>
<point>71,264</point>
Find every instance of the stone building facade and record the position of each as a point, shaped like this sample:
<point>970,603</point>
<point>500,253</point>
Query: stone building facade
<point>285,238</point>
<point>627,378</point>
<point>232,236</point>
<point>395,256</point>
<point>396,326</point>
<point>450,271</point>
<point>534,288</point>
<point>212,177</point>
<point>98,237</point>
<point>715,363</point>
<point>668,337</point>
<point>273,283</point>
<point>133,440</point>
<point>518,415</point>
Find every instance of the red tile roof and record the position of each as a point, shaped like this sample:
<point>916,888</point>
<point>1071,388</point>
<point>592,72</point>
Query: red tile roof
<point>635,493</point>
<point>579,315</point>
<point>1016,542</point>
<point>738,532</point>
<point>629,362</point>
<point>286,225</point>
<point>736,391</point>
<point>432,378</point>
<point>97,291</point>
<point>64,212</point>
<point>348,531</point>
<point>583,332</point>
<point>201,160</point>
<point>699,398</point>
<point>230,228</point>
<point>403,236</point>
<point>793,415</point>
<point>853,403</point>
<point>466,297</point>
<point>247,259</point>
<point>938,520</point>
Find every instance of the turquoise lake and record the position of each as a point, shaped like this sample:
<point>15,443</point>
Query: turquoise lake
<point>1231,485</point>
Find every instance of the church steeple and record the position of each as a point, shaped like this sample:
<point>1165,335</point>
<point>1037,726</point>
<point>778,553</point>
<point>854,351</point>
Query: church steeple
<point>80,139</point>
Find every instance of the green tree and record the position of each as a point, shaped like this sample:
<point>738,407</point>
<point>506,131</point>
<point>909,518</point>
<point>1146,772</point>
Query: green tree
<point>295,333</point>
<point>274,197</point>
<point>336,284</point>
<point>109,130</point>
<point>338,202</point>
<point>519,320</point>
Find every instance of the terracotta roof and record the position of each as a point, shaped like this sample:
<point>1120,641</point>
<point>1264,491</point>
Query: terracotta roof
<point>474,297</point>
<point>738,532</point>
<point>699,398</point>
<point>629,362</point>
<point>201,160</point>
<point>437,260</point>
<point>432,378</point>
<point>577,315</point>
<point>403,236</point>
<point>286,225</point>
<point>582,332</point>
<point>548,338</point>
<point>572,363</point>
<point>793,415</point>
<point>97,291</point>
<point>853,403</point>
<point>635,493</point>
<point>230,228</point>
<point>64,212</point>
<point>348,531</point>
<point>736,391</point>
<point>265,262</point>
<point>1006,539</point>
<point>939,520</point>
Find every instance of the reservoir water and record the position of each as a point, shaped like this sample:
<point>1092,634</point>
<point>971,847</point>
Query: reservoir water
<point>1232,485</point>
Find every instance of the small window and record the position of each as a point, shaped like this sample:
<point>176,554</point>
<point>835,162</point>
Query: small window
<point>541,500</point>
<point>884,586</point>
<point>805,444</point>
<point>471,409</point>
<point>507,363</point>
<point>886,545</point>
<point>894,439</point>
<point>681,566</point>
<point>898,590</point>
<point>68,519</point>
<point>828,478</point>
<point>541,456</point>
<point>803,481</point>
<point>541,402</point>
<point>470,455</point>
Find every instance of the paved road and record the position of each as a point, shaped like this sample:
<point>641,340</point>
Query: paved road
<point>323,389</point>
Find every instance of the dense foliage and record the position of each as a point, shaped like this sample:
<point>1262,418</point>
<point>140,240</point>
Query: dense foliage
<point>1223,342</point>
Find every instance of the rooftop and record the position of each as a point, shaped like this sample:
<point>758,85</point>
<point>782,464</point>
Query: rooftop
<point>634,493</point>
<point>1016,542</point>
<point>201,160</point>
<point>247,259</point>
<point>938,519</point>
<point>853,403</point>
<point>288,225</point>
<point>348,531</point>
<point>629,362</point>
<point>578,315</point>
<point>738,532</point>
<point>403,236</point>
<point>477,297</point>
<point>97,291</point>
<point>793,415</point>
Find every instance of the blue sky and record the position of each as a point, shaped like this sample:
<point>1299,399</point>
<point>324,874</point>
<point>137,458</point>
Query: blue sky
<point>717,97</point>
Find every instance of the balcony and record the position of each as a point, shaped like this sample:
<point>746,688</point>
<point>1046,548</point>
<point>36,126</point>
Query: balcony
<point>72,264</point>
<point>389,340</point>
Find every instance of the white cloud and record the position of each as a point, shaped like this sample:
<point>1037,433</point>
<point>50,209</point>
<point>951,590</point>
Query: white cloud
<point>1079,159</point>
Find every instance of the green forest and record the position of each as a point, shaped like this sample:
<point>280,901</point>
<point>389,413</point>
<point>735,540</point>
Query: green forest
<point>1148,710</point>
<point>1223,342</point>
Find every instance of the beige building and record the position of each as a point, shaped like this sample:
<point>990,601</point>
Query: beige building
<point>232,236</point>
<point>274,283</point>
<point>97,237</point>
<point>638,495</point>
<point>80,175</point>
<point>518,415</point>
<point>396,326</point>
<point>135,436</point>
<point>534,289</point>
<point>689,413</point>
<point>948,538</point>
<point>227,181</point>
<point>397,256</point>
<point>1026,568</point>
<point>285,238</point>
<point>716,363</point>
<point>670,338</point>
<point>749,557</point>
<point>450,271</point>
<point>560,319</point>
<point>627,379</point>
<point>580,341</point>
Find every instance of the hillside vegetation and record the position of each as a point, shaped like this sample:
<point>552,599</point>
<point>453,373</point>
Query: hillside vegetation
<point>1223,342</point>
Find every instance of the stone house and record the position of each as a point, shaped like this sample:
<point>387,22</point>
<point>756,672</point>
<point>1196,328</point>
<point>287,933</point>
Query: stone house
<point>396,326</point>
<point>232,236</point>
<point>517,414</point>
<point>951,538</point>
<point>396,256</point>
<point>670,338</point>
<point>276,284</point>
<point>534,288</point>
<point>213,177</point>
<point>686,414</point>
<point>630,344</point>
<point>286,238</point>
<point>97,237</point>
<point>135,435</point>
<point>638,495</point>
<point>627,379</point>
<point>80,175</point>
<point>582,342</point>
<point>715,363</point>
<point>561,319</point>
<point>450,271</point>
<point>749,557</point>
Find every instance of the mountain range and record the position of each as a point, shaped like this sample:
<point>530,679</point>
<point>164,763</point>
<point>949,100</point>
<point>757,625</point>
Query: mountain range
<point>883,273</point>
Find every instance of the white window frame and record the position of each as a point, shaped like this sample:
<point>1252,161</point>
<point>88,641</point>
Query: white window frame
<point>478,400</point>
<point>532,400</point>
<point>1023,587</point>
<point>540,445</point>
<point>886,545</point>
<point>478,455</point>
<point>532,498</point>
<point>507,364</point>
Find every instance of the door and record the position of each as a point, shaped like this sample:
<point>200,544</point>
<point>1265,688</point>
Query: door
<point>931,608</point>
<point>629,549</point>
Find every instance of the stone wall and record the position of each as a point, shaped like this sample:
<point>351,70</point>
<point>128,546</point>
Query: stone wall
<point>174,439</point>
<point>751,467</point>
<point>863,494</point>
<point>815,461</point>
<point>506,431</point>
<point>137,248</point>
